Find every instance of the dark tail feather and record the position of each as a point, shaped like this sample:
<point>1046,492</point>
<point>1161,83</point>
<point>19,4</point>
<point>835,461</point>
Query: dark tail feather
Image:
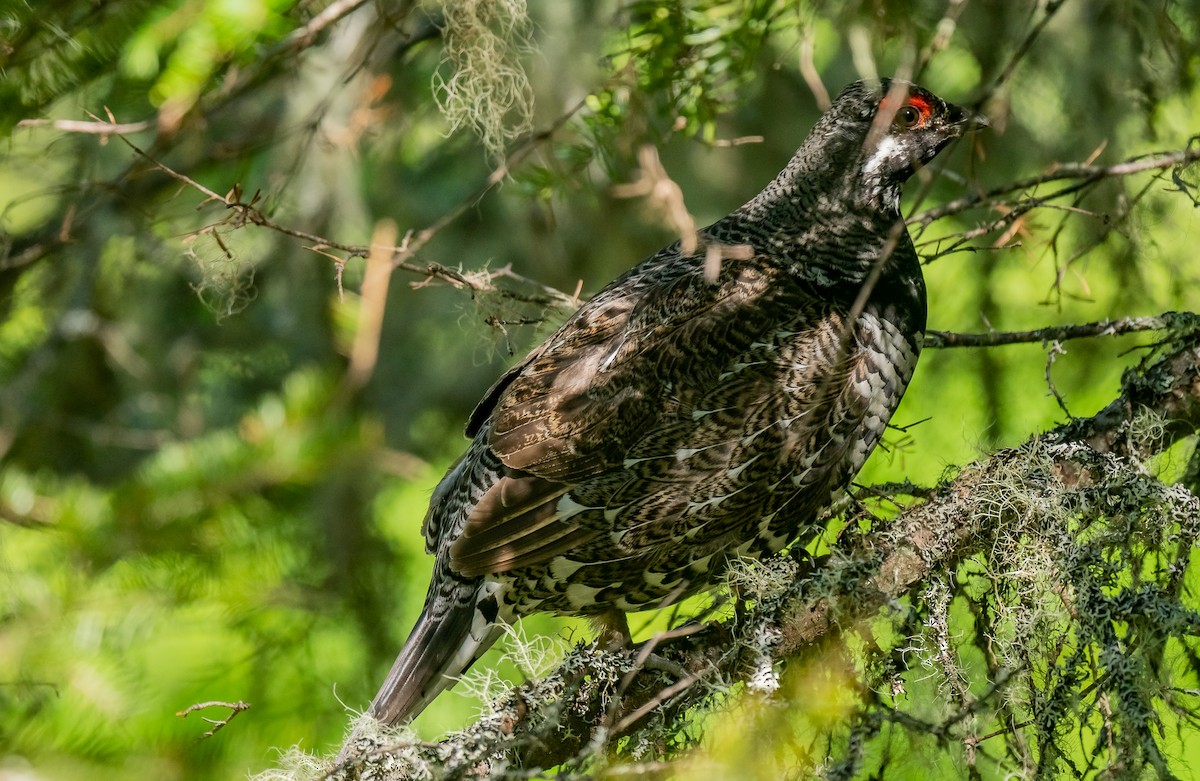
<point>443,644</point>
<point>449,636</point>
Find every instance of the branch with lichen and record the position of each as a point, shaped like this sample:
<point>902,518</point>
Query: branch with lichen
<point>246,211</point>
<point>1014,200</point>
<point>1061,333</point>
<point>1072,553</point>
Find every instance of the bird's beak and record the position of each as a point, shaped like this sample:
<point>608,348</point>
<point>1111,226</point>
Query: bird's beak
<point>976,121</point>
<point>967,119</point>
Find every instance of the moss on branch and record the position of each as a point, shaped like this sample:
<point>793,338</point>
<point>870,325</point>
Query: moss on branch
<point>1045,590</point>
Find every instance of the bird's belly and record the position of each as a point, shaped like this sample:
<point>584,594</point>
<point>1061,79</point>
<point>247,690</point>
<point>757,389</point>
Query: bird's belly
<point>665,562</point>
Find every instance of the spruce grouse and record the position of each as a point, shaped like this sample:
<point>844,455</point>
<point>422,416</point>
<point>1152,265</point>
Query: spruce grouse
<point>679,420</point>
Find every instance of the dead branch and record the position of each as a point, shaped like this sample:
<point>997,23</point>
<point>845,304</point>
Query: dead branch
<point>234,709</point>
<point>95,128</point>
<point>1059,333</point>
<point>567,718</point>
<point>246,211</point>
<point>1086,174</point>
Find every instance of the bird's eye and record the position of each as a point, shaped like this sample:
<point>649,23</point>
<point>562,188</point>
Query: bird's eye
<point>908,117</point>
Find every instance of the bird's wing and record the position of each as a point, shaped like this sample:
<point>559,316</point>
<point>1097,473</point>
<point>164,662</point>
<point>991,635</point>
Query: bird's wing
<point>704,471</point>
<point>625,375</point>
<point>630,356</point>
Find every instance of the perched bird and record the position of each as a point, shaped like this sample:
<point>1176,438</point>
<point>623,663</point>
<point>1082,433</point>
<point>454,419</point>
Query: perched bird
<point>690,413</point>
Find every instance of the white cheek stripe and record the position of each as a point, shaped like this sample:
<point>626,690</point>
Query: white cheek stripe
<point>887,148</point>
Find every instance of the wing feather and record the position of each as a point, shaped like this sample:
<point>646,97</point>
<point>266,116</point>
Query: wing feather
<point>516,523</point>
<point>645,404</point>
<point>596,385</point>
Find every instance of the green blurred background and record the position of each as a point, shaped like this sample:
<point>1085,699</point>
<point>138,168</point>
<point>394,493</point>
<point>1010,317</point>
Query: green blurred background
<point>194,503</point>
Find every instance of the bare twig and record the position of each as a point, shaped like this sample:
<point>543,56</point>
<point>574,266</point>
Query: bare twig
<point>1087,173</point>
<point>303,37</point>
<point>373,301</point>
<point>725,143</point>
<point>945,31</point>
<point>234,709</point>
<point>663,696</point>
<point>1026,44</point>
<point>664,195</point>
<point>808,70</point>
<point>248,212</point>
<point>94,128</point>
<point>1055,349</point>
<point>1059,333</point>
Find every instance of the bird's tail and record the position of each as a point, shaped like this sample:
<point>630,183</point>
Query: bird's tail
<point>450,635</point>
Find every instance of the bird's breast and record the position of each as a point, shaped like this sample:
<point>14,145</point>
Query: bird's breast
<point>742,469</point>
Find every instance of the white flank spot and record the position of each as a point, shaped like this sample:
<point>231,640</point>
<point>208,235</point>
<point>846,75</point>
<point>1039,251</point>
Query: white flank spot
<point>700,566</point>
<point>694,507</point>
<point>608,359</point>
<point>743,549</point>
<point>563,568</point>
<point>658,579</point>
<point>568,507</point>
<point>579,594</point>
<point>736,472</point>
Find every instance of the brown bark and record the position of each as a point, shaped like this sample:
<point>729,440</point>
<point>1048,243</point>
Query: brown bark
<point>598,696</point>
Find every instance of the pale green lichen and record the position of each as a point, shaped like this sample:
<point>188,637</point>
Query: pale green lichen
<point>482,83</point>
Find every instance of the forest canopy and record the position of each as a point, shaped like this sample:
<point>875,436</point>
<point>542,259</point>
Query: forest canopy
<point>259,260</point>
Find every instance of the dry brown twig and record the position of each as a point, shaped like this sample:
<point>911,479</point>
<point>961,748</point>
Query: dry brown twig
<point>930,536</point>
<point>246,211</point>
<point>234,709</point>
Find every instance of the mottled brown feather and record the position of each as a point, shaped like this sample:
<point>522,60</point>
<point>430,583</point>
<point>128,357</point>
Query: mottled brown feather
<point>514,524</point>
<point>678,422</point>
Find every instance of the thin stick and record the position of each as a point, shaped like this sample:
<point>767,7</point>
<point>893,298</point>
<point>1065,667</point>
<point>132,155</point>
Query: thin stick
<point>234,709</point>
<point>1128,325</point>
<point>1088,173</point>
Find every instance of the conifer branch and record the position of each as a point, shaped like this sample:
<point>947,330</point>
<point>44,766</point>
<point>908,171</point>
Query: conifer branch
<point>566,719</point>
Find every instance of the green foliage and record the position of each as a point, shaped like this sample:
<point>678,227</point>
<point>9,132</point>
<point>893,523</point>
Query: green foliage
<point>56,49</point>
<point>197,577</point>
<point>183,45</point>
<point>690,59</point>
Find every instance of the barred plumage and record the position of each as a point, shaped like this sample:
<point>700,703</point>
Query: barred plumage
<point>676,421</point>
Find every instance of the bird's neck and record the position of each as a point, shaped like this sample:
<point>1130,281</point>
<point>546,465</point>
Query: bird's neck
<point>827,192</point>
<point>845,171</point>
<point>831,217</point>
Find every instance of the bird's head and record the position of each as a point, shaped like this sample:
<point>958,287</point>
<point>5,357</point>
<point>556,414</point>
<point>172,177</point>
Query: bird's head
<point>879,133</point>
